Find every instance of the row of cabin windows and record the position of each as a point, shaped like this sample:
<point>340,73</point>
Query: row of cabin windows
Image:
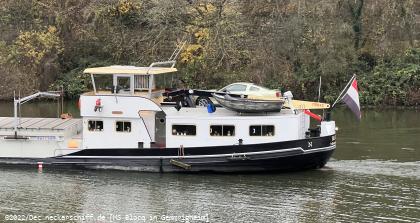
<point>189,130</point>
<point>98,126</point>
<point>223,130</point>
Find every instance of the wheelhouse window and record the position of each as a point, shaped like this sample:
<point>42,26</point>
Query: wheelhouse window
<point>184,130</point>
<point>123,126</point>
<point>95,126</point>
<point>222,130</point>
<point>261,130</point>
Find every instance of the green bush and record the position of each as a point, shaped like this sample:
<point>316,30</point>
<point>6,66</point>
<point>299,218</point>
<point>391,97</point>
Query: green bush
<point>393,83</point>
<point>73,82</point>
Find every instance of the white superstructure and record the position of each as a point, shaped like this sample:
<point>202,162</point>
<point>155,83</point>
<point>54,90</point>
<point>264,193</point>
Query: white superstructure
<point>126,114</point>
<point>150,125</point>
<point>274,127</point>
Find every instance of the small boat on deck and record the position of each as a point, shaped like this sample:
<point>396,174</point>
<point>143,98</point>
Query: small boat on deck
<point>245,105</point>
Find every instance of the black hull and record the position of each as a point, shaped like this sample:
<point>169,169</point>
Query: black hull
<point>281,156</point>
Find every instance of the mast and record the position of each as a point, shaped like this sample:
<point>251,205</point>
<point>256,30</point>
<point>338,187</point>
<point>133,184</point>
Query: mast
<point>319,88</point>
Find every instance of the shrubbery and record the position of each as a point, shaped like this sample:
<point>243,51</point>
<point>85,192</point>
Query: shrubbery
<point>395,82</point>
<point>285,45</point>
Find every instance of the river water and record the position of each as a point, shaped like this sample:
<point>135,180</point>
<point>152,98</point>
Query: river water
<point>374,176</point>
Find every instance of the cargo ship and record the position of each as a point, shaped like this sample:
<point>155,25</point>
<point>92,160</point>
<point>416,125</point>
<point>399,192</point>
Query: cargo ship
<point>126,126</point>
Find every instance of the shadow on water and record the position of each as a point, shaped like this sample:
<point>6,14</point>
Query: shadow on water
<point>374,176</point>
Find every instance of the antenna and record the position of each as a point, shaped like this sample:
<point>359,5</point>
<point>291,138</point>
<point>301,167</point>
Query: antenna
<point>62,99</point>
<point>20,110</point>
<point>319,88</point>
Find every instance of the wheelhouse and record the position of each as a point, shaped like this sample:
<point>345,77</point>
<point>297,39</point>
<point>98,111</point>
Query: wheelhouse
<point>121,110</point>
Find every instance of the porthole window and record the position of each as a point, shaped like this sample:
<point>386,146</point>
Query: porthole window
<point>95,126</point>
<point>222,130</point>
<point>261,130</point>
<point>184,130</point>
<point>123,126</point>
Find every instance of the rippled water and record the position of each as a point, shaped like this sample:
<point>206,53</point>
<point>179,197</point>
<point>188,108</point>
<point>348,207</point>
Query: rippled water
<point>374,176</point>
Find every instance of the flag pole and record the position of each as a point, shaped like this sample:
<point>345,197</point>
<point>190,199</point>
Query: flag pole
<point>345,88</point>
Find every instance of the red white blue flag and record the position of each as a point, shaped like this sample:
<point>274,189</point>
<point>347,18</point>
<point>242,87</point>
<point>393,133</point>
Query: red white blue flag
<point>351,98</point>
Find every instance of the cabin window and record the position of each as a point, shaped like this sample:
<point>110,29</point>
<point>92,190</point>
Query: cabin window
<point>103,82</point>
<point>122,126</point>
<point>184,130</point>
<point>123,83</point>
<point>95,126</point>
<point>261,130</point>
<point>222,130</point>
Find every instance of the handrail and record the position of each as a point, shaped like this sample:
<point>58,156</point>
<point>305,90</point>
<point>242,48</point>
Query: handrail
<point>21,101</point>
<point>171,60</point>
<point>177,51</point>
<point>151,76</point>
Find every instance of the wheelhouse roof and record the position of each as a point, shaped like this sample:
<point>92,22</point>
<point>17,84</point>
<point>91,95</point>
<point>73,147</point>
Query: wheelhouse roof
<point>117,69</point>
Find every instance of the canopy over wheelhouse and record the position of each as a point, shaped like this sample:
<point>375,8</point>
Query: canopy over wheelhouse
<point>135,79</point>
<point>133,70</point>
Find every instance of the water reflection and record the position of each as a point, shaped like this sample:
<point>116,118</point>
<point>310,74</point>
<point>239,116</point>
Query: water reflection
<point>374,176</point>
<point>332,194</point>
<point>40,108</point>
<point>384,135</point>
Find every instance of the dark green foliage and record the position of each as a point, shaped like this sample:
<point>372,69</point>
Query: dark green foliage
<point>74,83</point>
<point>284,45</point>
<point>396,82</point>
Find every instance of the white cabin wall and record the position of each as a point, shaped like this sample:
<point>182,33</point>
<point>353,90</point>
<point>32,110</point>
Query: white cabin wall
<point>286,128</point>
<point>117,108</point>
<point>110,138</point>
<point>149,120</point>
<point>304,124</point>
<point>307,124</point>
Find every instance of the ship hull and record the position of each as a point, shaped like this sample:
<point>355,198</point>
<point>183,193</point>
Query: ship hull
<point>294,155</point>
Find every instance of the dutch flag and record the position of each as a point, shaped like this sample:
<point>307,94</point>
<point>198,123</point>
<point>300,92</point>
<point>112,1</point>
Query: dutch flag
<point>351,98</point>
